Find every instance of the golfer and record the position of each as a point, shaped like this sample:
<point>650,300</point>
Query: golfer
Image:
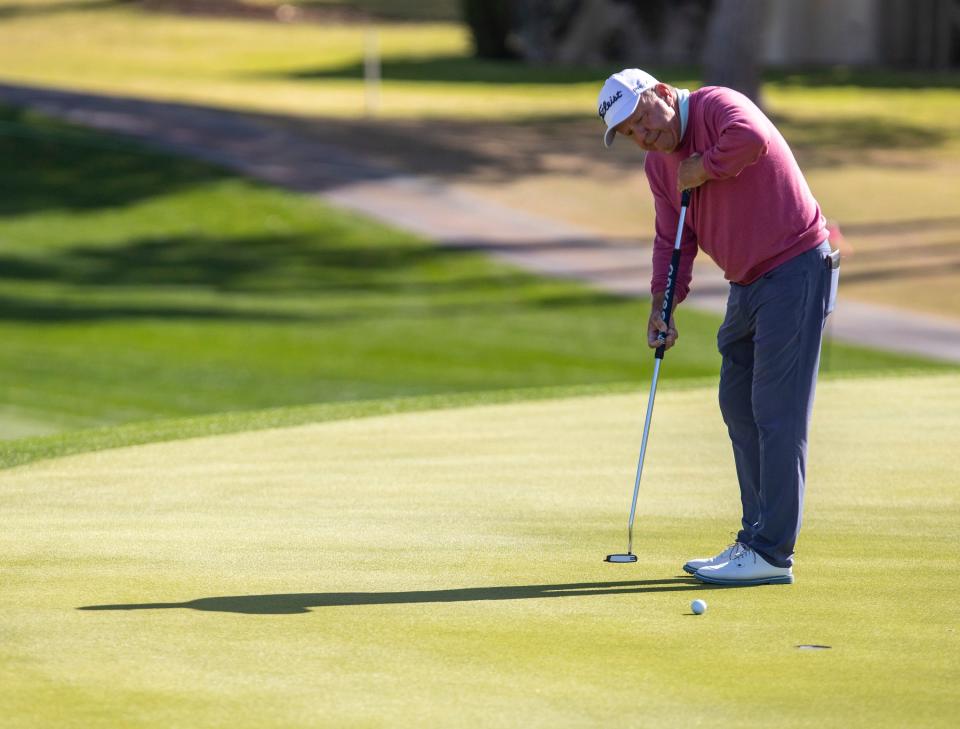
<point>752,212</point>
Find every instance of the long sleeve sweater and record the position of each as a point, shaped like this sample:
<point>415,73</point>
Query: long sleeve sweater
<point>755,211</point>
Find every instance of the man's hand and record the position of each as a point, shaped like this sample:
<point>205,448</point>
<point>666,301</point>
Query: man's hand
<point>656,325</point>
<point>691,173</point>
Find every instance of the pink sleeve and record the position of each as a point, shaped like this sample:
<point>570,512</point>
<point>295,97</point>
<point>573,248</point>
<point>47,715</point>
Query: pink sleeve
<point>667,206</point>
<point>742,134</point>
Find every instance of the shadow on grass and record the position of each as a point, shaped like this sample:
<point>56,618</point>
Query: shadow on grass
<point>458,69</point>
<point>316,281</point>
<point>844,76</point>
<point>299,603</point>
<point>318,11</point>
<point>829,142</point>
<point>22,10</point>
<point>52,166</point>
<point>57,312</point>
<point>467,69</point>
<point>905,272</point>
<point>914,225</point>
<point>275,264</point>
<point>281,262</point>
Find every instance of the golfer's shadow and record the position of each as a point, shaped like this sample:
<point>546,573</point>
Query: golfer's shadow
<point>294,603</point>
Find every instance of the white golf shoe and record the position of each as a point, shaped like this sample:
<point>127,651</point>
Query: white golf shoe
<point>694,564</point>
<point>745,568</point>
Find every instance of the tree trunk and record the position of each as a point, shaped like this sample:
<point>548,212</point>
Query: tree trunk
<point>597,22</point>
<point>489,23</point>
<point>734,45</point>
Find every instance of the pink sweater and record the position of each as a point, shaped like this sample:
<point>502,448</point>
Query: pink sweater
<point>755,212</point>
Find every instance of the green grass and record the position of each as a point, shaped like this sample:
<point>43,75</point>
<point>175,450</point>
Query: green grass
<point>444,569</point>
<point>428,69</point>
<point>137,286</point>
<point>877,147</point>
<point>29,449</point>
<point>380,565</point>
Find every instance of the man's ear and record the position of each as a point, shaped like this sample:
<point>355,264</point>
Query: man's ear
<point>664,91</point>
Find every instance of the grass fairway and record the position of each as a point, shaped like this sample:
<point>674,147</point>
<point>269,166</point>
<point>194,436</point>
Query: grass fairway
<point>136,286</point>
<point>881,149</point>
<point>444,569</point>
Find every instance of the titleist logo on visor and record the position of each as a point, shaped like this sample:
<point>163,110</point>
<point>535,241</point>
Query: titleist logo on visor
<point>605,106</point>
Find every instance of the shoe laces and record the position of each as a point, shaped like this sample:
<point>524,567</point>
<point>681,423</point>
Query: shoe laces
<point>741,550</point>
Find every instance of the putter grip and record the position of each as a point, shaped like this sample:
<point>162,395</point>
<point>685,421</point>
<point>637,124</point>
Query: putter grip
<point>668,299</point>
<point>671,281</point>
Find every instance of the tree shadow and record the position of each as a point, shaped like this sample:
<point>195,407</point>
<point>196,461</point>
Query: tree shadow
<point>277,263</point>
<point>914,225</point>
<point>53,166</point>
<point>58,166</point>
<point>57,312</point>
<point>447,150</point>
<point>833,142</point>
<point>845,76</point>
<point>901,258</point>
<point>299,603</point>
<point>23,10</point>
<point>903,272</point>
<point>314,11</point>
<point>255,263</point>
<point>273,264</point>
<point>276,278</point>
<point>458,69</point>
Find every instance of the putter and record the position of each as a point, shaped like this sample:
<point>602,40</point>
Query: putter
<point>665,313</point>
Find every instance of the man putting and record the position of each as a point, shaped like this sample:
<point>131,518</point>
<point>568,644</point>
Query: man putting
<point>753,213</point>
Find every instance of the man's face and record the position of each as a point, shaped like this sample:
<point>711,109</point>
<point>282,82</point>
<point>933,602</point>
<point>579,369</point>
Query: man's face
<point>654,125</point>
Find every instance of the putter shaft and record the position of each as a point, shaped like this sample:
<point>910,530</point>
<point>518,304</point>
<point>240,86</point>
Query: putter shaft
<point>643,452</point>
<point>665,313</point>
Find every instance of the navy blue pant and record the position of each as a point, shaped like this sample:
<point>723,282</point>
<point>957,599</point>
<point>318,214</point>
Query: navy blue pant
<point>770,342</point>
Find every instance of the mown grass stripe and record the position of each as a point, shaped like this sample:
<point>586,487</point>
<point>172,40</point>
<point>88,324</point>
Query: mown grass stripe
<point>28,450</point>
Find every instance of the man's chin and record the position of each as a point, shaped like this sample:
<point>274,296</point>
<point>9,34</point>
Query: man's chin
<point>665,145</point>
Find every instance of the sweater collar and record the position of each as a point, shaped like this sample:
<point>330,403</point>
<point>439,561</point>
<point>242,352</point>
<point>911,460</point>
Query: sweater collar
<point>683,102</point>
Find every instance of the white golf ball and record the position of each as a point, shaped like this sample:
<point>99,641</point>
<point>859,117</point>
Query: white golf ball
<point>699,607</point>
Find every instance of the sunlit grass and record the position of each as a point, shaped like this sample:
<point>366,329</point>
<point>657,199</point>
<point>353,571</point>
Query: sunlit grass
<point>317,69</point>
<point>872,154</point>
<point>444,569</point>
<point>136,286</point>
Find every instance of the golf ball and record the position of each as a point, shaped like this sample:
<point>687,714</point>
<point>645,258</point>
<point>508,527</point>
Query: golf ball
<point>699,607</point>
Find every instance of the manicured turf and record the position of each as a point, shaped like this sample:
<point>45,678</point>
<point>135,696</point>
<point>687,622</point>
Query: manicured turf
<point>428,70</point>
<point>881,150</point>
<point>437,568</point>
<point>137,286</point>
<point>444,569</point>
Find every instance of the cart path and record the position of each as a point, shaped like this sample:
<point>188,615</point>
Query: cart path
<point>294,153</point>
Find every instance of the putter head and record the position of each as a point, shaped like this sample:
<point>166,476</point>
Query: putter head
<point>621,558</point>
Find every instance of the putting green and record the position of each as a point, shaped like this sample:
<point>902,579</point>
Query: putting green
<point>445,569</point>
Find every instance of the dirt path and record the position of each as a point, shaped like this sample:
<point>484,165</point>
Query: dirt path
<point>541,198</point>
